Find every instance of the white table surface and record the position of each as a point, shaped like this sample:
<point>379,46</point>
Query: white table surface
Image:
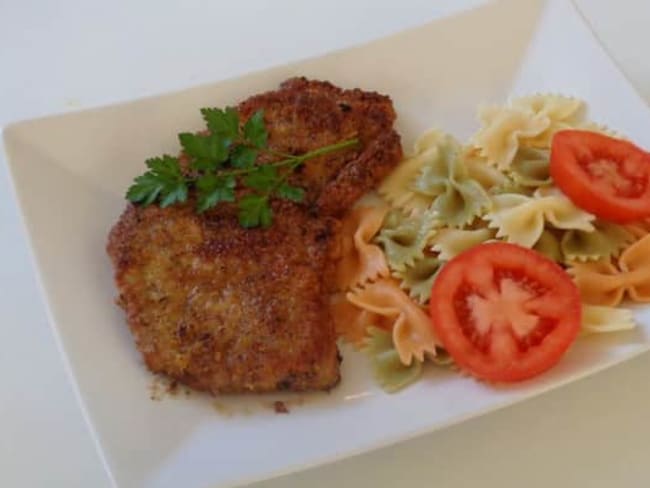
<point>58,56</point>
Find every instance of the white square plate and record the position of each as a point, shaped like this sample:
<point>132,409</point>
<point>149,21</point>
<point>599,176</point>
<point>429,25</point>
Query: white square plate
<point>70,173</point>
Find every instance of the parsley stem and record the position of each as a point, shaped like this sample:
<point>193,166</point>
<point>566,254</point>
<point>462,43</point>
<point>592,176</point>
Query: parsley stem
<point>217,163</point>
<point>327,149</point>
<point>296,161</point>
<point>278,154</point>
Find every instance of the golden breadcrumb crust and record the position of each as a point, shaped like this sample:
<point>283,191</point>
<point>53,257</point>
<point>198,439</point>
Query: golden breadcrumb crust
<point>226,309</point>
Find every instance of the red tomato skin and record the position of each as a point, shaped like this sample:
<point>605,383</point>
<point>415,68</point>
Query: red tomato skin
<point>575,183</point>
<point>447,327</point>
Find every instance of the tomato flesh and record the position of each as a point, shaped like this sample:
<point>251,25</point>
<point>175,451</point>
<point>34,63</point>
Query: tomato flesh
<point>607,177</point>
<point>503,312</point>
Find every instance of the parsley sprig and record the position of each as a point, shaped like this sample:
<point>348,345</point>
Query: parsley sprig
<point>221,160</point>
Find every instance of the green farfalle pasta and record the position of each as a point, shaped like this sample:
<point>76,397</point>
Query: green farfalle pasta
<point>605,241</point>
<point>396,188</point>
<point>549,245</point>
<point>433,177</point>
<point>404,238</point>
<point>442,359</point>
<point>445,182</point>
<point>391,374</point>
<point>461,203</point>
<point>530,167</point>
<point>418,278</point>
<point>449,243</point>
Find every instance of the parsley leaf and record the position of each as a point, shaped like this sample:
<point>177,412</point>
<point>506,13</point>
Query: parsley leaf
<point>262,178</point>
<point>223,122</point>
<point>243,157</point>
<point>255,130</point>
<point>254,210</point>
<point>211,149</point>
<point>219,161</point>
<point>293,193</point>
<point>164,180</point>
<point>213,189</point>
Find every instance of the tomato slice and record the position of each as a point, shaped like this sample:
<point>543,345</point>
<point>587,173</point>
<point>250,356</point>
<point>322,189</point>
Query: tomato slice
<point>607,177</point>
<point>503,312</point>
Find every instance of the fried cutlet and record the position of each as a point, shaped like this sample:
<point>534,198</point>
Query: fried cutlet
<point>304,115</point>
<point>227,309</point>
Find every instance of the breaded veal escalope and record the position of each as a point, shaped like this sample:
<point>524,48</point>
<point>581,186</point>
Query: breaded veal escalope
<point>226,309</point>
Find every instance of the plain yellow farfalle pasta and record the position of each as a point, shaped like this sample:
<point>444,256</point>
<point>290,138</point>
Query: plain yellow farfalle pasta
<point>601,129</point>
<point>563,113</point>
<point>521,219</point>
<point>501,130</point>
<point>411,327</point>
<point>480,171</point>
<point>391,374</point>
<point>606,282</point>
<point>449,243</point>
<point>599,319</point>
<point>559,108</point>
<point>361,260</point>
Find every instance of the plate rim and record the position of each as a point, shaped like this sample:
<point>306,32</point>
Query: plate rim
<point>7,131</point>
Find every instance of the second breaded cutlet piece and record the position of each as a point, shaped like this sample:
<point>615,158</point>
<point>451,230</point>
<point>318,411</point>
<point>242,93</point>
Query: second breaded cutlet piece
<point>227,309</point>
<point>304,115</point>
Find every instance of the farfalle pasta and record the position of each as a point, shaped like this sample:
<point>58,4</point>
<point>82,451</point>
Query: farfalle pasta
<point>525,123</point>
<point>447,198</point>
<point>446,184</point>
<point>607,282</point>
<point>396,188</point>
<point>503,128</point>
<point>449,243</point>
<point>486,175</point>
<point>489,177</point>
<point>562,112</point>
<point>361,260</point>
<point>521,219</point>
<point>597,319</point>
<point>437,178</point>
<point>418,278</point>
<point>411,327</point>
<point>600,129</point>
<point>390,372</point>
<point>530,168</point>
<point>638,229</point>
<point>352,323</point>
<point>605,241</point>
<point>404,238</point>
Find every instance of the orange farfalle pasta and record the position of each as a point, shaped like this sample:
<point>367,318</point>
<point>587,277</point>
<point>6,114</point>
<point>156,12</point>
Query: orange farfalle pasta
<point>388,307</point>
<point>352,323</point>
<point>361,260</point>
<point>638,229</point>
<point>606,282</point>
